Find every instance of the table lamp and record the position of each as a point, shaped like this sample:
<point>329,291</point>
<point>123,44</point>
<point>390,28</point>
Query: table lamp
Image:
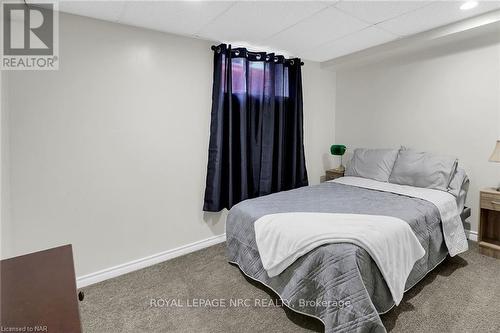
<point>495,156</point>
<point>339,150</point>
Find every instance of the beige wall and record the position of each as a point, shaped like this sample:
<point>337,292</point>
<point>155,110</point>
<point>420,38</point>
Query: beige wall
<point>319,103</point>
<point>109,153</point>
<point>444,99</point>
<point>2,187</point>
<point>5,226</point>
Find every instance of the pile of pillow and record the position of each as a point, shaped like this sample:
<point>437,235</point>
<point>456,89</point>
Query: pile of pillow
<point>410,167</point>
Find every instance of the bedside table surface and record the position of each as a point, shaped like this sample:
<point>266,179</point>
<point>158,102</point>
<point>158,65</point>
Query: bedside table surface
<point>337,171</point>
<point>490,190</point>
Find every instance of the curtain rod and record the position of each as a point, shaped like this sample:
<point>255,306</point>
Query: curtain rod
<point>214,47</point>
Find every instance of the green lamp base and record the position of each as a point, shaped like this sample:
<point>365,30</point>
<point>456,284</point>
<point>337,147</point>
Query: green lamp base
<point>340,168</point>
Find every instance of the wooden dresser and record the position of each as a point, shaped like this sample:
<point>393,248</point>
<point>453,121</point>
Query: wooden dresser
<point>39,293</point>
<point>489,222</point>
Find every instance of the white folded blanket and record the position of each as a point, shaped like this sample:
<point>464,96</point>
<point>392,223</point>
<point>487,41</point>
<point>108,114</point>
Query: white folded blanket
<point>283,238</point>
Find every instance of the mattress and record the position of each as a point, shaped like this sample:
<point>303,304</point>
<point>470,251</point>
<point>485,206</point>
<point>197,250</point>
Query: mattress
<point>339,284</point>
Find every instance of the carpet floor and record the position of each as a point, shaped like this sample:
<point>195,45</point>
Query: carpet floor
<point>460,295</point>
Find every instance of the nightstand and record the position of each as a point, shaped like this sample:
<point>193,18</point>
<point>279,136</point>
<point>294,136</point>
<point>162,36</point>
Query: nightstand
<point>489,223</point>
<point>333,174</point>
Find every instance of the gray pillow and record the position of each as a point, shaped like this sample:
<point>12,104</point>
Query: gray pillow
<point>372,163</point>
<point>422,169</point>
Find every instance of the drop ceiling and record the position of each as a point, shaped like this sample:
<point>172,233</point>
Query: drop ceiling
<point>314,30</point>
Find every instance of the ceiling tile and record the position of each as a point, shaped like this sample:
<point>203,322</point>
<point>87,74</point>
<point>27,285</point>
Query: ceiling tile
<point>327,25</point>
<point>379,11</point>
<point>315,30</point>
<point>254,22</point>
<point>181,17</point>
<point>434,15</point>
<point>357,41</point>
<point>103,10</point>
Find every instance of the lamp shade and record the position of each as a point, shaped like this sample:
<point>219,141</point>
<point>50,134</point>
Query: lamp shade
<point>338,150</point>
<point>495,157</point>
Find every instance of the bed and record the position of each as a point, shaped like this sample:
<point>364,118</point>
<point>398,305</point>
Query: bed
<point>339,284</point>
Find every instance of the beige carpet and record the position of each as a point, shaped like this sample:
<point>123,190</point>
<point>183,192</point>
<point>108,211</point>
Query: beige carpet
<point>460,295</point>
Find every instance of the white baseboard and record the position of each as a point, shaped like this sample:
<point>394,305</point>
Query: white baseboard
<point>472,235</point>
<point>108,273</point>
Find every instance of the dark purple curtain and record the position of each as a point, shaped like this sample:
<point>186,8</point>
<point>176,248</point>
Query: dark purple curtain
<point>256,133</point>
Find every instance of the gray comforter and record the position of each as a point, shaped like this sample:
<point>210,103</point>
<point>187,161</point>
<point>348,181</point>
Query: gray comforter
<point>339,283</point>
